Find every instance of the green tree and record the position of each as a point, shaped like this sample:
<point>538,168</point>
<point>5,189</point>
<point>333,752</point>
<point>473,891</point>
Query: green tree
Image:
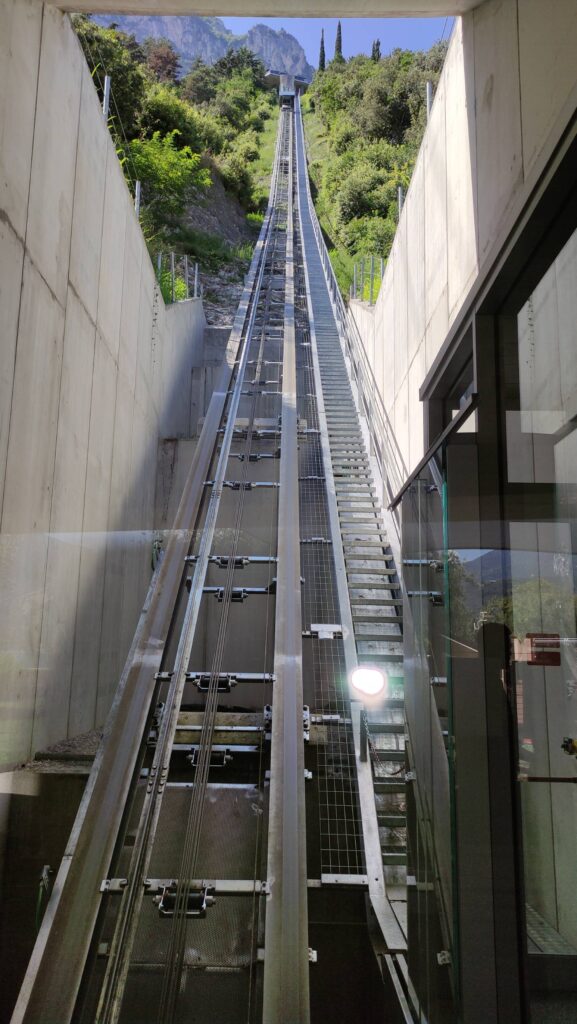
<point>169,176</point>
<point>200,84</point>
<point>376,51</point>
<point>163,111</point>
<point>322,58</point>
<point>339,45</point>
<point>241,60</point>
<point>369,118</point>
<point>113,53</point>
<point>162,59</point>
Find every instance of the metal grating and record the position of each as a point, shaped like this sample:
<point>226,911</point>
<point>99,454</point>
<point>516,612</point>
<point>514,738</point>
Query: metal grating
<point>341,842</point>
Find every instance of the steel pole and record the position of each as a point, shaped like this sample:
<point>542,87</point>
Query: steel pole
<point>106,99</point>
<point>429,98</point>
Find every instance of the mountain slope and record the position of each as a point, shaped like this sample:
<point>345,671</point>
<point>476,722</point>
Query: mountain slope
<point>209,39</point>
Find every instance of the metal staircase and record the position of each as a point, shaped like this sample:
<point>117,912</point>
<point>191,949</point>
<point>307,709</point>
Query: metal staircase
<point>371,575</point>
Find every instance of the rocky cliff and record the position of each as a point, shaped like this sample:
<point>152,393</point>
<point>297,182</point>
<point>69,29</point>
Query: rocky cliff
<point>209,39</point>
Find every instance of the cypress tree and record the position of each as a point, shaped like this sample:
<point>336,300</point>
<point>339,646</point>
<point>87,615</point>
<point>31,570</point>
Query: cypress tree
<point>376,51</point>
<point>322,62</point>
<point>339,43</point>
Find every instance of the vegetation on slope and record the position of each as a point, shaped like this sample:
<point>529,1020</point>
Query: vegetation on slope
<point>364,120</point>
<point>181,137</point>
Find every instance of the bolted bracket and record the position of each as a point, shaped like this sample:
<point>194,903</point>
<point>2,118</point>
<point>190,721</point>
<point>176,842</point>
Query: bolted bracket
<point>324,631</point>
<point>113,886</point>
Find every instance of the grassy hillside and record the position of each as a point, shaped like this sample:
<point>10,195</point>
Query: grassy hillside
<point>201,145</point>
<point>364,120</point>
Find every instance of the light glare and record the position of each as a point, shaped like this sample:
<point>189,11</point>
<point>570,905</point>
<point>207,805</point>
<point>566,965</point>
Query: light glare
<point>370,681</point>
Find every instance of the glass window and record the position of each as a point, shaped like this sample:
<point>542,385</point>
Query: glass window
<point>538,383</point>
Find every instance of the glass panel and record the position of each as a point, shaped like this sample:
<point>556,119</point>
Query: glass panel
<point>427,697</point>
<point>538,369</point>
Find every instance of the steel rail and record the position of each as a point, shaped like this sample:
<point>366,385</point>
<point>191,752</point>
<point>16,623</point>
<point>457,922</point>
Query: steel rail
<point>286,965</point>
<point>119,959</point>
<point>175,958</point>
<point>49,991</point>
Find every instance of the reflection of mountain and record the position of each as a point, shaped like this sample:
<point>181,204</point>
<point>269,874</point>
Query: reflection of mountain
<point>494,566</point>
<point>209,39</point>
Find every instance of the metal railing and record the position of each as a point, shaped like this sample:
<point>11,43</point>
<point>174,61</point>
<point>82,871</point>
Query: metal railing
<point>368,276</point>
<point>371,406</point>
<point>178,277</point>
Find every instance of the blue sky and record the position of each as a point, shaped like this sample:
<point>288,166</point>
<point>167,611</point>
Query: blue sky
<point>358,33</point>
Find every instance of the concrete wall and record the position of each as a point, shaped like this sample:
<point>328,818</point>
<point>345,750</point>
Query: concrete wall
<point>508,90</point>
<point>93,370</point>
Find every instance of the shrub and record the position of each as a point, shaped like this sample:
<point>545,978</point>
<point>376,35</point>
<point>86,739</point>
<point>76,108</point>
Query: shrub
<point>163,111</point>
<point>169,177</point>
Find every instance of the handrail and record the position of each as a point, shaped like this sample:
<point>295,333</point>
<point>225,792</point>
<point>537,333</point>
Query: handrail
<point>386,449</point>
<point>451,428</point>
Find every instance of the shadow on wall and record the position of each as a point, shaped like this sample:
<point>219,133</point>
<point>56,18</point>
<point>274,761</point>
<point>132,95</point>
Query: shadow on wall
<point>93,370</point>
<point>90,594</point>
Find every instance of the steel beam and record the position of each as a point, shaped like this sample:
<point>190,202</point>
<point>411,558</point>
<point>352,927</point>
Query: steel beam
<point>286,963</point>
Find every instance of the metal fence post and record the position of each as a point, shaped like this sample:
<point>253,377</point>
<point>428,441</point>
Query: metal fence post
<point>106,98</point>
<point>354,281</point>
<point>371,289</point>
<point>363,279</point>
<point>400,199</point>
<point>137,199</point>
<point>159,267</point>
<point>186,276</point>
<point>429,95</point>
<point>196,280</point>
<point>172,273</point>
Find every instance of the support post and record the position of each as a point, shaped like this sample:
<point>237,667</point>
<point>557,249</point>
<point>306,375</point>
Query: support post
<point>371,290</point>
<point>355,281</point>
<point>196,280</point>
<point>400,199</point>
<point>186,276</point>
<point>159,267</point>
<point>429,98</point>
<point>137,199</point>
<point>362,279</point>
<point>106,98</point>
<point>172,274</point>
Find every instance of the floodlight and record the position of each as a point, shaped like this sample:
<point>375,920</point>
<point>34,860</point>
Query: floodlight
<point>369,680</point>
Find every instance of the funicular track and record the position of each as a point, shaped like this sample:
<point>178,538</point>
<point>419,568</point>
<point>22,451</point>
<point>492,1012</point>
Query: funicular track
<point>218,867</point>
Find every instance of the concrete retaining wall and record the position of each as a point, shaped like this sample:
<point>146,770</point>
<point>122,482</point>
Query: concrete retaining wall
<point>507,92</point>
<point>93,370</point>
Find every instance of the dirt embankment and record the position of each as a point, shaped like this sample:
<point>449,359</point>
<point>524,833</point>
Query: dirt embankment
<point>221,216</point>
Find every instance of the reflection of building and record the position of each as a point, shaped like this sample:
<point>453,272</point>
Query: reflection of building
<point>478,317</point>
